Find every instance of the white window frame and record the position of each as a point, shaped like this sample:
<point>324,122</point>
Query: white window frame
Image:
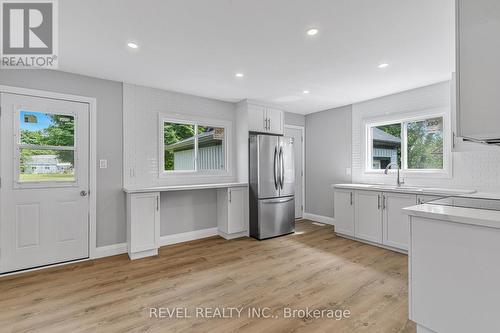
<point>18,146</point>
<point>200,121</point>
<point>446,172</point>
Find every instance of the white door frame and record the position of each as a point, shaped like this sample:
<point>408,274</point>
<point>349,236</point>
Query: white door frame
<point>303,133</point>
<point>92,102</point>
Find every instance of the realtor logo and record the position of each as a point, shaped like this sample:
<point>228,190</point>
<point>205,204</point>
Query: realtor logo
<point>29,34</point>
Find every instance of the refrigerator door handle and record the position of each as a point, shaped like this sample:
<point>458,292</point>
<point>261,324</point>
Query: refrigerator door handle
<point>279,200</point>
<point>275,168</point>
<point>282,168</point>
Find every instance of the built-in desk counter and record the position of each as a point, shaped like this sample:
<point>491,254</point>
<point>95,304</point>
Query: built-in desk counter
<point>143,214</point>
<point>130,190</point>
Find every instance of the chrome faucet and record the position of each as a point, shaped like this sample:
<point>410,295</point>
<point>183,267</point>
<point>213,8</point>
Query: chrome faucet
<point>389,167</point>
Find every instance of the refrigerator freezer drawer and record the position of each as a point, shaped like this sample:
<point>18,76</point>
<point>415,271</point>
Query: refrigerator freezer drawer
<point>275,217</point>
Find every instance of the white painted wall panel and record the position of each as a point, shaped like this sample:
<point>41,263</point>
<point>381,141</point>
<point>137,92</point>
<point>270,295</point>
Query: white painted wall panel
<point>142,106</point>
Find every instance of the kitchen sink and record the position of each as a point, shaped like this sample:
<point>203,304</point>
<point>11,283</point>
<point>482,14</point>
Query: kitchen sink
<point>402,188</point>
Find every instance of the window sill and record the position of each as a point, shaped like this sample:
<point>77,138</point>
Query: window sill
<point>195,174</point>
<point>444,174</point>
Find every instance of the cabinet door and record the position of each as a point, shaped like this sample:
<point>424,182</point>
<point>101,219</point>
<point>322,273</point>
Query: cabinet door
<point>237,210</point>
<point>368,216</point>
<point>257,118</point>
<point>144,221</point>
<point>421,199</point>
<point>275,121</point>
<point>343,202</point>
<point>478,68</point>
<point>396,225</point>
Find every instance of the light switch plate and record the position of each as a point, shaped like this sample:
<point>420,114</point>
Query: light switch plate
<point>348,171</point>
<point>103,164</point>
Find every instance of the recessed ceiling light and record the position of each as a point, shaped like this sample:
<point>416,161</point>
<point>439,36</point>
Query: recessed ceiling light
<point>306,92</point>
<point>312,32</point>
<point>383,65</point>
<point>239,75</point>
<point>132,45</point>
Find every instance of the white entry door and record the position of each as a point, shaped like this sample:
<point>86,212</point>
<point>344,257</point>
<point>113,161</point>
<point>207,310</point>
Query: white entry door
<point>44,170</point>
<point>297,135</point>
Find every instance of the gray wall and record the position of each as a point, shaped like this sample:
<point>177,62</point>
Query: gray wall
<point>184,211</point>
<point>295,119</point>
<point>111,222</point>
<point>328,154</point>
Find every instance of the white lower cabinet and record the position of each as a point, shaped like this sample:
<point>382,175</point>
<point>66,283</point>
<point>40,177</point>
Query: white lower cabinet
<point>143,224</point>
<point>395,223</point>
<point>368,216</point>
<point>232,212</point>
<point>374,216</point>
<point>344,212</point>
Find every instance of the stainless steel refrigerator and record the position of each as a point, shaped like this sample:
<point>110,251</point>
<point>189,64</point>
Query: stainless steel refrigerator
<point>272,186</point>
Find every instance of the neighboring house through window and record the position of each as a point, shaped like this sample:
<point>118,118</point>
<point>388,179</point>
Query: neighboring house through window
<point>192,147</point>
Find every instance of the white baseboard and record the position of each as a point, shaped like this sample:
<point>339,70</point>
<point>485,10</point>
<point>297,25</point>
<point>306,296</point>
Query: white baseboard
<point>188,236</point>
<point>233,236</point>
<point>115,249</point>
<point>319,218</point>
<point>110,250</point>
<point>372,243</point>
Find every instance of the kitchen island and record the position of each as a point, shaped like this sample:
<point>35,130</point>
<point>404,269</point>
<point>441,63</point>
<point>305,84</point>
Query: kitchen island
<point>454,270</point>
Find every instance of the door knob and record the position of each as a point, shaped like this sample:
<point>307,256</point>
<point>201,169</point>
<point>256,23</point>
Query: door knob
<point>83,193</point>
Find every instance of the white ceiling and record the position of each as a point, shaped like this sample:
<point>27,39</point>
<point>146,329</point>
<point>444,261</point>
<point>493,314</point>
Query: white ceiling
<point>196,46</point>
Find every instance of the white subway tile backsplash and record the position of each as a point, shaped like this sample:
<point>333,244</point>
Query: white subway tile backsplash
<point>478,168</point>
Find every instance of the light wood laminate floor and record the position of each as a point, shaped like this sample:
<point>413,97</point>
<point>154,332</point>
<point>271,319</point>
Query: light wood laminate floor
<point>311,268</point>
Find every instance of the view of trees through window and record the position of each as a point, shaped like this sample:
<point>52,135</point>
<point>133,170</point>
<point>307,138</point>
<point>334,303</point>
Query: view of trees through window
<point>38,133</point>
<point>424,142</point>
<point>182,145</point>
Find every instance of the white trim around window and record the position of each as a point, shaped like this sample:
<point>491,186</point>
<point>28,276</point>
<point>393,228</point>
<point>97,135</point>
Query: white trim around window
<point>196,121</point>
<point>368,123</point>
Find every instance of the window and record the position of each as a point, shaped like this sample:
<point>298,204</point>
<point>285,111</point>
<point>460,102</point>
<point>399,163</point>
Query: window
<point>425,144</point>
<point>385,145</point>
<point>193,147</point>
<point>413,144</point>
<point>46,147</point>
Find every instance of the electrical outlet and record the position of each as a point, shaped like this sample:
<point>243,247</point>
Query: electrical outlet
<point>103,164</point>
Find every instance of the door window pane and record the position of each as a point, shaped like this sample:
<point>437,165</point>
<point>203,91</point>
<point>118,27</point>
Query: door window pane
<point>179,142</point>
<point>386,145</point>
<point>47,129</point>
<point>42,165</point>
<point>211,154</point>
<point>425,144</point>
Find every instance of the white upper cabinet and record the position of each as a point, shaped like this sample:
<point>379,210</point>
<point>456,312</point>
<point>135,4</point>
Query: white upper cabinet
<point>264,119</point>
<point>276,119</point>
<point>256,118</point>
<point>478,68</point>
